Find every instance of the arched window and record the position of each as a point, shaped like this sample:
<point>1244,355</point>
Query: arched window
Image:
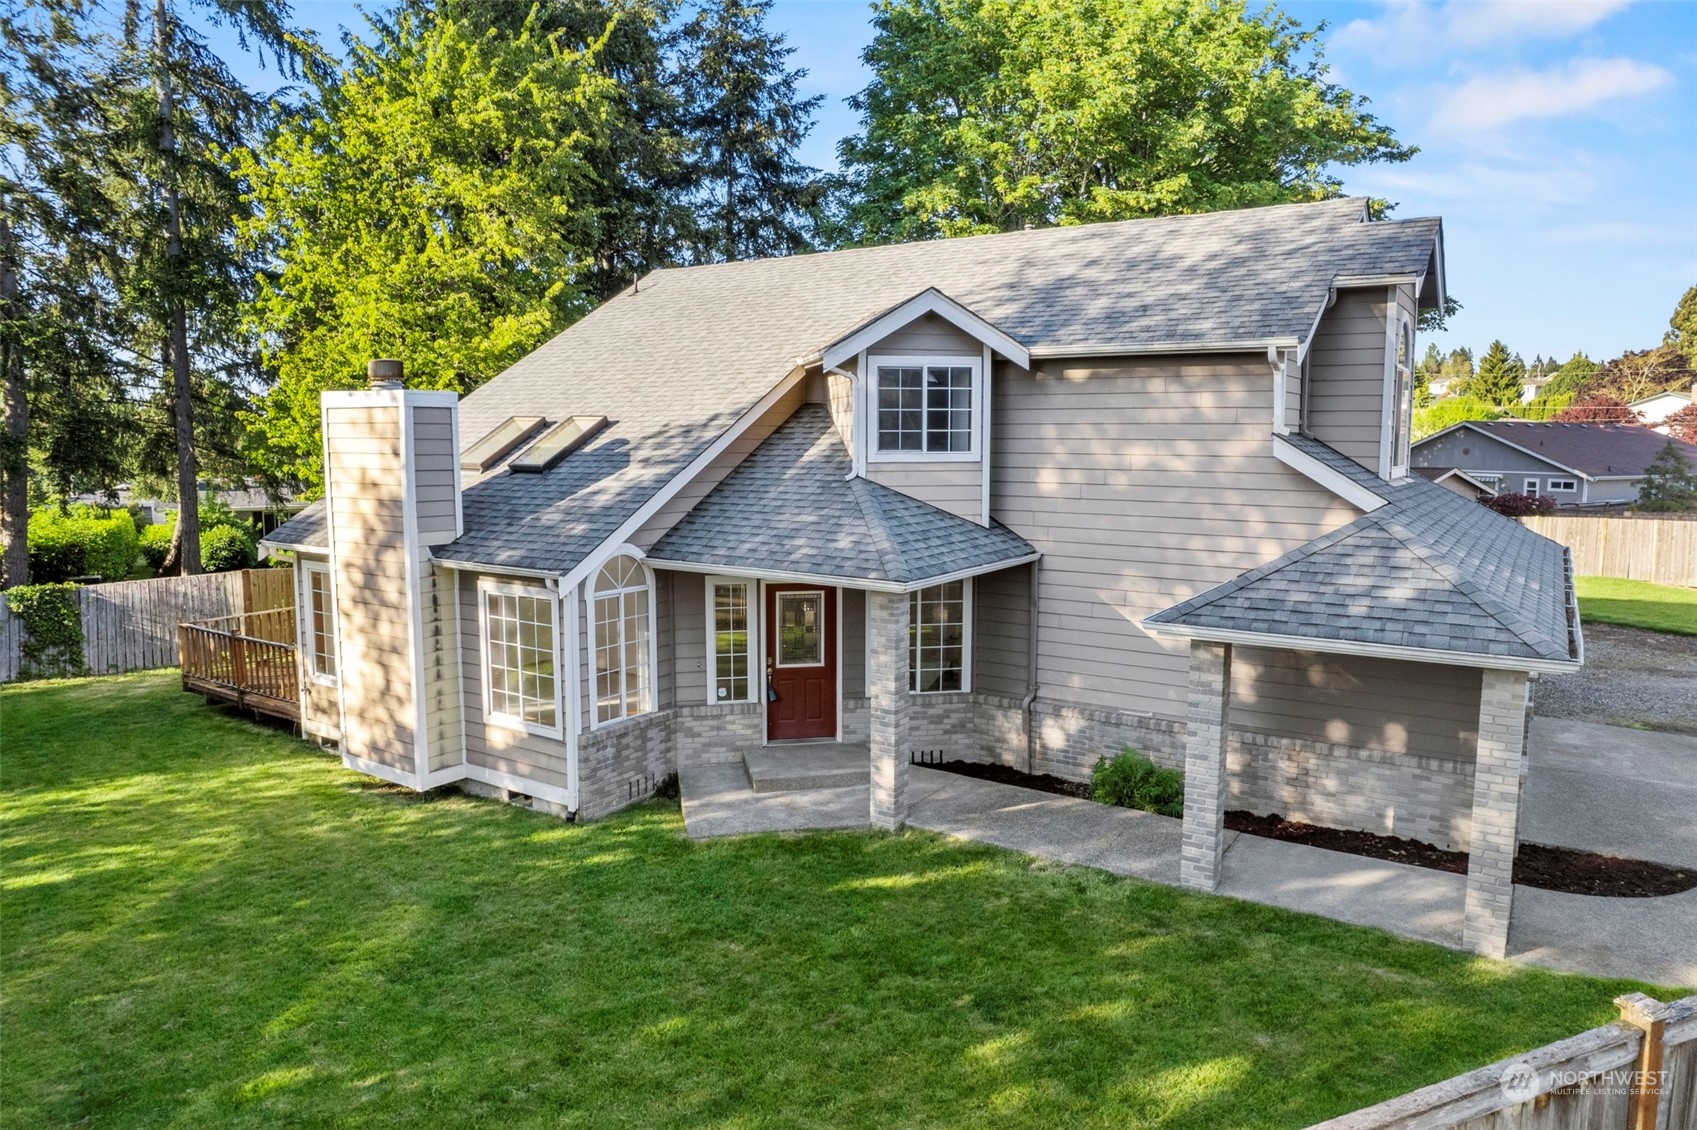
<point>621,640</point>
<point>1402,398</point>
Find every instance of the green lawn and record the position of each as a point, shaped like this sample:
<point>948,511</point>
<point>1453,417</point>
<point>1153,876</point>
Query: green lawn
<point>206,923</point>
<point>1637,604</point>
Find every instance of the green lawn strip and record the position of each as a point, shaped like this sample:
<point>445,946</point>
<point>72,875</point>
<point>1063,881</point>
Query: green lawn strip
<point>207,923</point>
<point>1637,604</point>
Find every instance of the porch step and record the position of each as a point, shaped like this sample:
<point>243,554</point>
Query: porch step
<point>827,765</point>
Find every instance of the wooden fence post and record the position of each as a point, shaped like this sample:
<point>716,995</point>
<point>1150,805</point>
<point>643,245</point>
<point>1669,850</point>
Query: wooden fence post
<point>1650,1016</point>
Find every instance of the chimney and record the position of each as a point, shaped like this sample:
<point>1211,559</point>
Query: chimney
<point>392,491</point>
<point>383,373</point>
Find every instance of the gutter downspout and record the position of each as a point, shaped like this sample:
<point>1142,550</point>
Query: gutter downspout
<point>1031,672</point>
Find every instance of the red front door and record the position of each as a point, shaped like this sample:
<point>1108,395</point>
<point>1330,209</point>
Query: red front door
<point>801,662</point>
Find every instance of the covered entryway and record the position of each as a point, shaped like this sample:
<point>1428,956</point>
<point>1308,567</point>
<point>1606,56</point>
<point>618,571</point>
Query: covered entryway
<point>801,662</point>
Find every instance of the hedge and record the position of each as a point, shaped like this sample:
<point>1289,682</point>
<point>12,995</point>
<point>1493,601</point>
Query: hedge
<point>225,548</point>
<point>84,541</point>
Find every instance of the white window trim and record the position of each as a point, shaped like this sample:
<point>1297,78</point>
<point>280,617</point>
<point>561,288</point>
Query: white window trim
<point>304,630</point>
<point>1562,486</point>
<point>486,588</point>
<point>756,677</point>
<point>869,403</point>
<point>824,644</point>
<point>1529,486</point>
<point>590,595</point>
<point>965,639</point>
<point>1402,325</point>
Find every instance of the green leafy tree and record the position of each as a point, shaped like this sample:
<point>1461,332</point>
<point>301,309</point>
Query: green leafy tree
<point>1563,387</point>
<point>987,115</point>
<point>1431,366</point>
<point>1670,483</point>
<point>1682,327</point>
<point>744,122</point>
<point>434,203</point>
<point>1450,411</point>
<point>1457,371</point>
<point>1500,378</point>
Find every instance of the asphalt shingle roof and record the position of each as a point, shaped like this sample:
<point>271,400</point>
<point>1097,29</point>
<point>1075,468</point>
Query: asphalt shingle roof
<point>310,527</point>
<point>1591,449</point>
<point>791,507</point>
<point>1429,570</point>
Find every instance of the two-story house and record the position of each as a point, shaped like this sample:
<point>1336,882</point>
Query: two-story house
<point>1026,498</point>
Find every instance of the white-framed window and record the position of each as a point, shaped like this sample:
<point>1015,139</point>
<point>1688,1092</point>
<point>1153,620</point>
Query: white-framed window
<point>521,632</point>
<point>318,621</point>
<point>939,629</point>
<point>925,407</point>
<point>1566,486</point>
<point>622,607</point>
<point>731,632</point>
<point>1402,398</point>
<point>1530,486</point>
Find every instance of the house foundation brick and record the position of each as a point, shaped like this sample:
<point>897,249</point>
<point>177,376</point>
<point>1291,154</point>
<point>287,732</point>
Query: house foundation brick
<point>623,762</point>
<point>943,726</point>
<point>1496,813</point>
<point>1203,840</point>
<point>887,677</point>
<point>709,734</point>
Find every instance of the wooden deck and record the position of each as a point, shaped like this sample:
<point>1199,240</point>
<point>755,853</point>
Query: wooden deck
<point>247,660</point>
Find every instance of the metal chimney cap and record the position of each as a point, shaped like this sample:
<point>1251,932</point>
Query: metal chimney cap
<point>383,372</point>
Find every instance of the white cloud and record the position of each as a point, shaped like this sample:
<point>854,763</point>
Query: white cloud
<point>1493,101</point>
<point>1412,29</point>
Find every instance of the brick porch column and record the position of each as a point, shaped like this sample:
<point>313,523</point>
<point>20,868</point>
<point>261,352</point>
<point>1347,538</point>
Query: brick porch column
<point>1496,812</point>
<point>1205,765</point>
<point>887,677</point>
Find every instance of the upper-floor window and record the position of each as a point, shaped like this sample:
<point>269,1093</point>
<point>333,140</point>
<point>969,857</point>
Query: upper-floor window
<point>319,622</point>
<point>925,407</point>
<point>1402,398</point>
<point>520,627</point>
<point>622,655</point>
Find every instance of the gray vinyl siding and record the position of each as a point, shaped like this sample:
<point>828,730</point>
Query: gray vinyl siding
<point>851,608</point>
<point>714,473</point>
<point>1293,399</point>
<point>1475,451</point>
<point>1142,481</point>
<point>957,487</point>
<point>497,747</point>
<point>1001,632</point>
<point>442,658</point>
<point>667,587</point>
<point>1346,375</point>
<point>1379,704</point>
<point>365,473</point>
<point>686,623</point>
<point>435,476</point>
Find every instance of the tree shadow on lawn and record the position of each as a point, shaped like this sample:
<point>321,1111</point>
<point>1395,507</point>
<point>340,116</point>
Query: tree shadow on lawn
<point>270,939</point>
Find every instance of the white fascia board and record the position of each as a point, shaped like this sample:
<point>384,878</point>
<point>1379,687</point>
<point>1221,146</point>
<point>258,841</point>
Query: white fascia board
<point>496,570</point>
<point>928,301</point>
<point>1350,647</point>
<point>293,547</point>
<point>1351,282</point>
<point>1164,348</point>
<point>975,571</point>
<point>780,576</point>
<point>1338,483</point>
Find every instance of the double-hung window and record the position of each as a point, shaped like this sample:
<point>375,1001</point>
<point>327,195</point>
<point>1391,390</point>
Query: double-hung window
<point>730,633</point>
<point>319,623</point>
<point>622,653</point>
<point>925,408</point>
<point>937,631</point>
<point>520,630</point>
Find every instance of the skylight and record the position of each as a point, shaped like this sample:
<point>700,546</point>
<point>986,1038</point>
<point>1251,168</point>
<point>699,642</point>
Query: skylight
<point>508,434</point>
<point>556,443</point>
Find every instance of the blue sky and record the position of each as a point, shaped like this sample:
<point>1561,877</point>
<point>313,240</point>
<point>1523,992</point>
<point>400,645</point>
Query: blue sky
<point>1558,141</point>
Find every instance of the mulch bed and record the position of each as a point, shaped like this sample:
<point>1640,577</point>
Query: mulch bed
<point>1536,865</point>
<point>1003,775</point>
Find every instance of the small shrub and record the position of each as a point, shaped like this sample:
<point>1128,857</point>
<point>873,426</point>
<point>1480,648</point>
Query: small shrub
<point>81,541</point>
<point>226,548</point>
<point>1131,780</point>
<point>1513,504</point>
<point>155,544</point>
<point>53,637</point>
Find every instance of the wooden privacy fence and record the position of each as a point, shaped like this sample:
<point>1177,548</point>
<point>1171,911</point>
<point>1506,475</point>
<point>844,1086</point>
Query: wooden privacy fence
<point>247,659</point>
<point>1633,549</point>
<point>132,625</point>
<point>1639,1073</point>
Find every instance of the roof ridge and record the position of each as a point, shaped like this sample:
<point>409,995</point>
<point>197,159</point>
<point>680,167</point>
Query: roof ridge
<point>883,541</point>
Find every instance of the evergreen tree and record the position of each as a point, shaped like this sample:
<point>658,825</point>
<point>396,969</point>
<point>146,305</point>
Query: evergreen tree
<point>1682,326</point>
<point>1670,484</point>
<point>1430,368</point>
<point>1500,377</point>
<point>744,123</point>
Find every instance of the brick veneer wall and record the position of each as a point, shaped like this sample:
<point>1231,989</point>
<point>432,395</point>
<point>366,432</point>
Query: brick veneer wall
<point>622,763</point>
<point>714,735</point>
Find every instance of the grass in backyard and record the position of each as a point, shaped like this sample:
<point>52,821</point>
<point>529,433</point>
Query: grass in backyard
<point>1637,604</point>
<point>206,923</point>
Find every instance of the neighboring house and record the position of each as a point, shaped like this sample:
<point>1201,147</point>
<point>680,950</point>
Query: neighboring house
<point>252,504</point>
<point>1574,464</point>
<point>1654,410</point>
<point>1028,498</point>
<point>1457,480</point>
<point>1532,389</point>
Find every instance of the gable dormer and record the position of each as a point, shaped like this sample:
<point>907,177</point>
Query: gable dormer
<point>910,392</point>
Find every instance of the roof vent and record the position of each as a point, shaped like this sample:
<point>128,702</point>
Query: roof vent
<point>383,373</point>
<point>556,443</point>
<point>492,448</point>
